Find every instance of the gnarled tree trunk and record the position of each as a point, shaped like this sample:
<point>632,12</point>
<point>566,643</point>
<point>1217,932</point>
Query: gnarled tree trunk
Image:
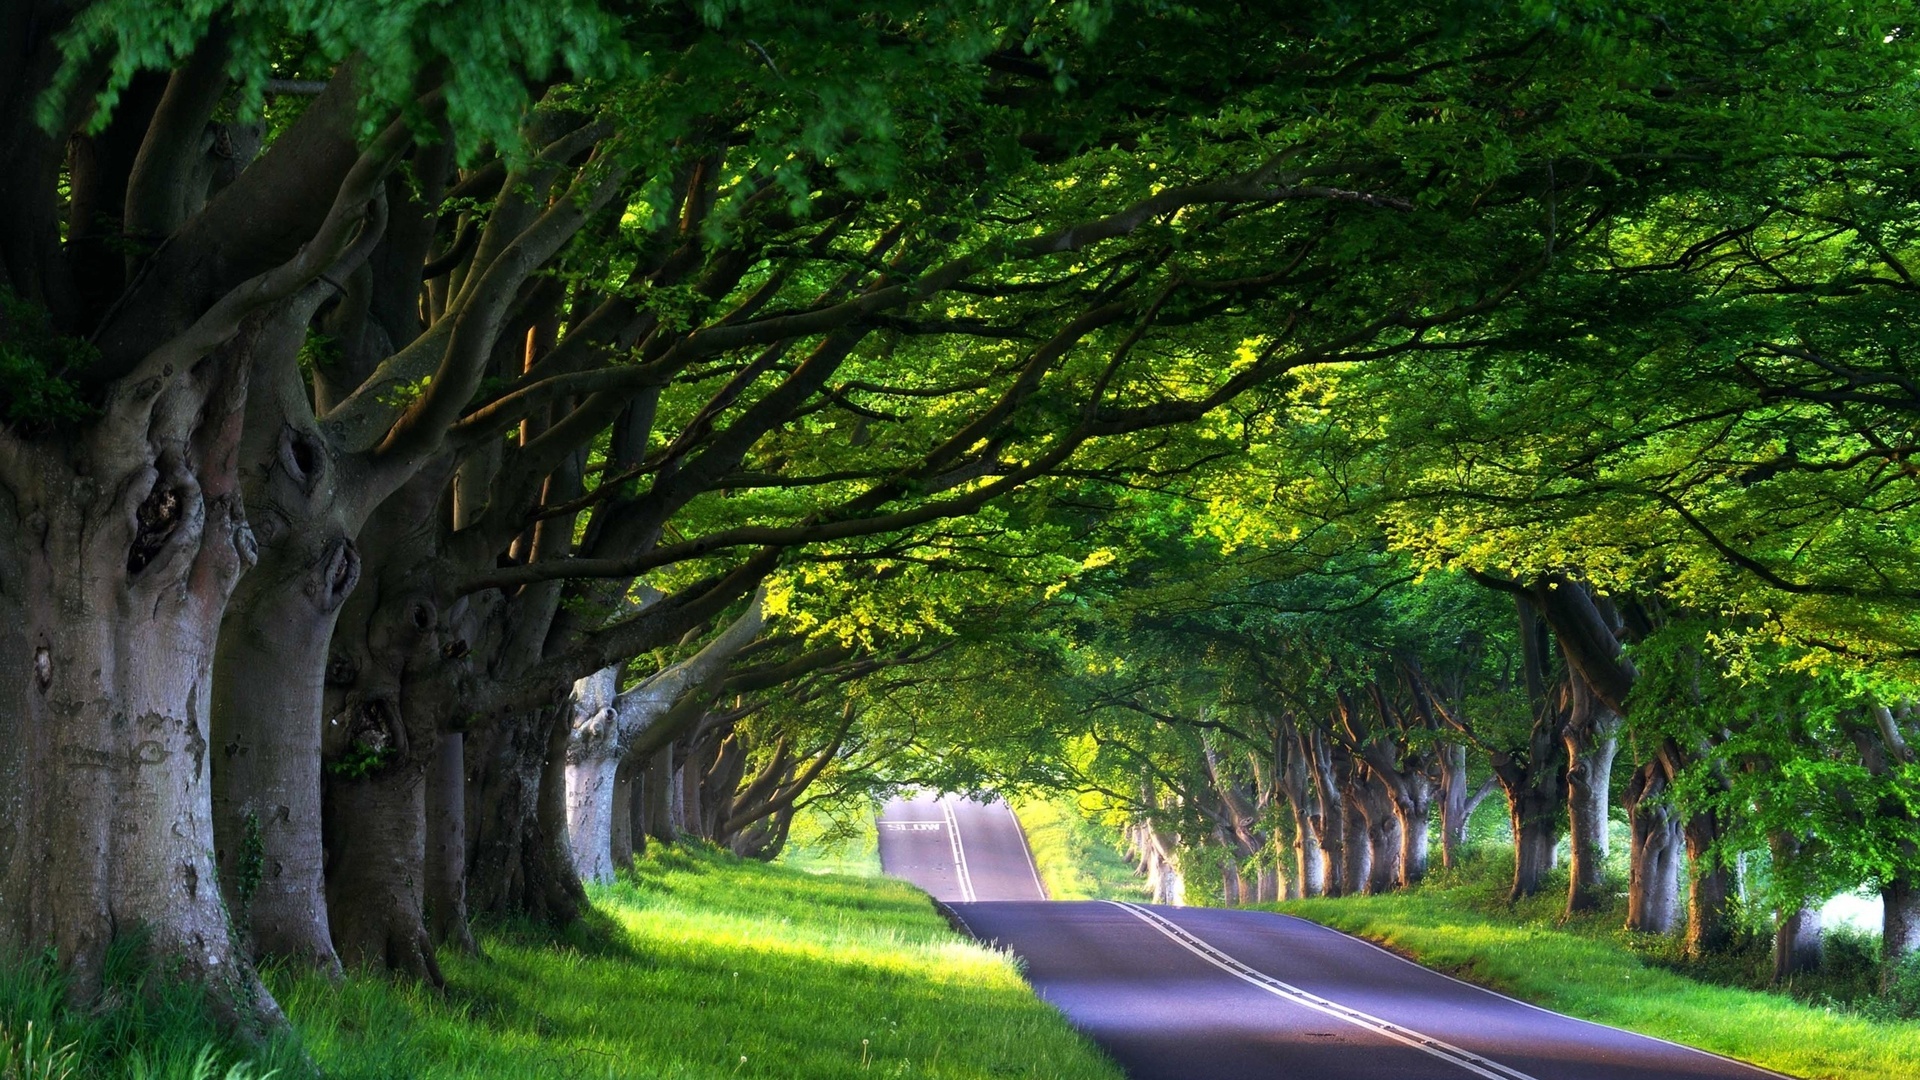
<point>119,547</point>
<point>517,865</point>
<point>1653,875</point>
<point>270,667</point>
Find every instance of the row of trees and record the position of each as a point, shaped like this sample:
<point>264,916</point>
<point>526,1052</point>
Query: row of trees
<point>445,448</point>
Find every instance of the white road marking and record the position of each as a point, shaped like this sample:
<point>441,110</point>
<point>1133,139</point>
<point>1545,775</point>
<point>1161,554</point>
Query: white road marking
<point>1026,850</point>
<point>1762,1070</point>
<point>1445,1051</point>
<point>960,871</point>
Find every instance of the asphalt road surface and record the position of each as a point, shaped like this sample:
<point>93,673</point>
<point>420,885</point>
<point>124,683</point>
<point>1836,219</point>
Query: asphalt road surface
<point>1209,994</point>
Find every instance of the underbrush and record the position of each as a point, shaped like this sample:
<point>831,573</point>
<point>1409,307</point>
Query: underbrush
<point>696,965</point>
<point>1829,1025</point>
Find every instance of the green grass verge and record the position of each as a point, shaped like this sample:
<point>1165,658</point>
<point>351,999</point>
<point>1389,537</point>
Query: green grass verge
<point>699,965</point>
<point>1589,969</point>
<point>702,966</point>
<point>1076,858</point>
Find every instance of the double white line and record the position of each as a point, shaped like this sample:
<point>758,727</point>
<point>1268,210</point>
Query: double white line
<point>960,872</point>
<point>1445,1051</point>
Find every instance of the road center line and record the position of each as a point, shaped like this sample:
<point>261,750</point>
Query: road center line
<point>1445,1051</point>
<point>960,872</point>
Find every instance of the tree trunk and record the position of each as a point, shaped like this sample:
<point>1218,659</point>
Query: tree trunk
<point>1268,887</point>
<point>1536,832</point>
<point>1332,820</point>
<point>1457,803</point>
<point>1591,741</point>
<point>1900,930</point>
<point>268,688</point>
<point>628,831</point>
<point>119,548</point>
<point>519,865</point>
<point>1710,897</point>
<point>1416,824</point>
<point>446,868</point>
<point>1798,944</point>
<point>1653,874</point>
<point>1294,781</point>
<point>1357,846</point>
<point>663,797</point>
<point>269,675</point>
<point>376,852</point>
<point>1382,839</point>
<point>1383,871</point>
<point>593,761</point>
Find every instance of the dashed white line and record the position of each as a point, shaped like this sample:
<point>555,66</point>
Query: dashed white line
<point>1445,1051</point>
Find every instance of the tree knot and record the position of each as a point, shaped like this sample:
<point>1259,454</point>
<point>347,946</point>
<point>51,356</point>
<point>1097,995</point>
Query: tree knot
<point>155,520</point>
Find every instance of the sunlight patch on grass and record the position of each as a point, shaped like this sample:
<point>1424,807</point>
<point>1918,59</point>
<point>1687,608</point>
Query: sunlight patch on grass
<point>700,960</point>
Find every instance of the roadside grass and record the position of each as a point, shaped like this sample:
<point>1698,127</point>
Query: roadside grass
<point>1076,858</point>
<point>698,965</point>
<point>701,965</point>
<point>1588,967</point>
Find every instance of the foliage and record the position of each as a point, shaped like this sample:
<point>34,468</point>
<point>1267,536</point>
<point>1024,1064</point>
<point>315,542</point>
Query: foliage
<point>33,357</point>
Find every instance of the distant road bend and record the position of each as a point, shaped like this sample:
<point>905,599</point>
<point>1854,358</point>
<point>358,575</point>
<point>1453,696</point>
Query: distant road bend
<point>1211,994</point>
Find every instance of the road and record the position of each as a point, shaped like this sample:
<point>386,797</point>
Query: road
<point>1210,994</point>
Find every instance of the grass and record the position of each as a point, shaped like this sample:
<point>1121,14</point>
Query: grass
<point>146,1026</point>
<point>1076,858</point>
<point>699,965</point>
<point>1588,967</point>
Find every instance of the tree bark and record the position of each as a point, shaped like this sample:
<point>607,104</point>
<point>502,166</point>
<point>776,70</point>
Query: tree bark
<point>1457,803</point>
<point>1710,896</point>
<point>663,796</point>
<point>607,726</point>
<point>628,831</point>
<point>446,867</point>
<point>1332,820</point>
<point>1798,943</point>
<point>377,850</point>
<point>119,547</point>
<point>269,673</point>
<point>1653,875</point>
<point>1536,833</point>
<point>1591,741</point>
<point>1900,928</point>
<point>1294,781</point>
<point>1357,845</point>
<point>518,865</point>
